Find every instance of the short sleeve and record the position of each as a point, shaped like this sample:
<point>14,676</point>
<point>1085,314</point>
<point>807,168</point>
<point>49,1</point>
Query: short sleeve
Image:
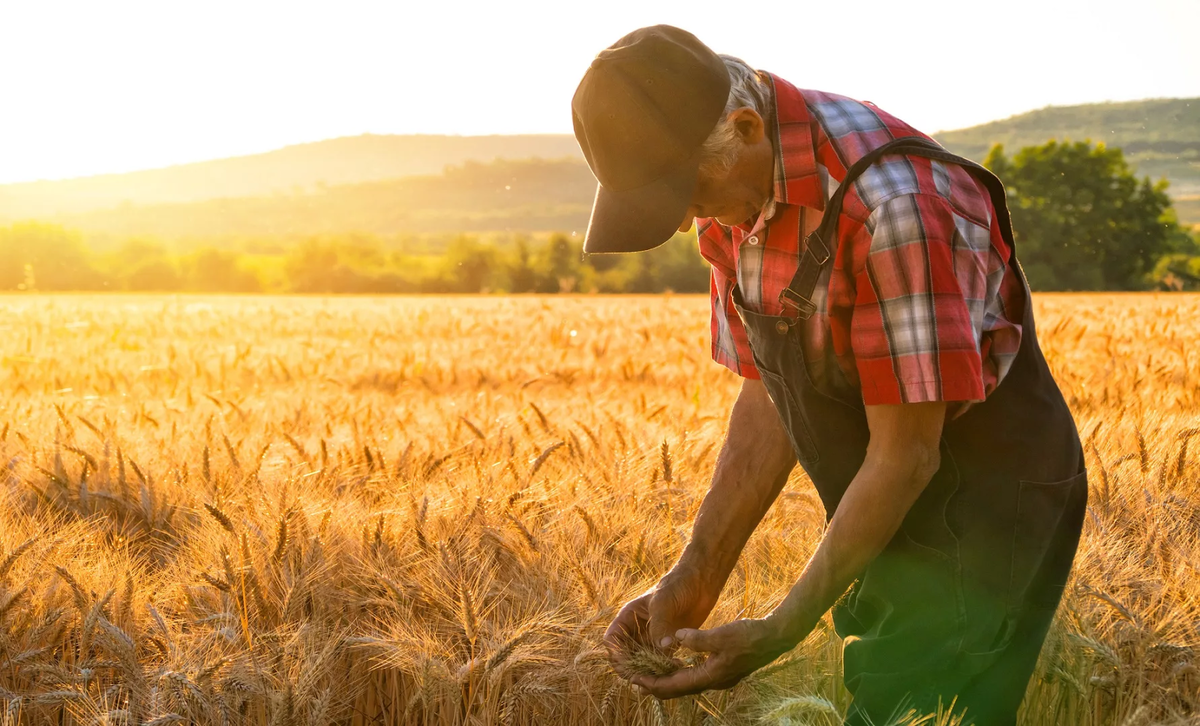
<point>911,330</point>
<point>730,344</point>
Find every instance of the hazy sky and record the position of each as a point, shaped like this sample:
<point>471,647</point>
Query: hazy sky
<point>100,86</point>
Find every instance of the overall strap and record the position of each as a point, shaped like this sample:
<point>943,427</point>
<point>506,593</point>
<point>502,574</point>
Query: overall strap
<point>817,246</point>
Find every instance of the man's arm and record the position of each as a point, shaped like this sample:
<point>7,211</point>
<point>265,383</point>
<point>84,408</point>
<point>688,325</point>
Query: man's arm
<point>752,467</point>
<point>902,456</point>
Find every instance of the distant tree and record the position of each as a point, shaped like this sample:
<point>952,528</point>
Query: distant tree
<point>1083,220</point>
<point>560,264</point>
<point>675,265</point>
<point>521,275</point>
<point>214,270</point>
<point>470,265</point>
<point>144,265</point>
<point>1179,270</point>
<point>646,275</point>
<point>679,266</point>
<point>155,275</point>
<point>311,266</point>
<point>46,257</point>
<point>137,250</point>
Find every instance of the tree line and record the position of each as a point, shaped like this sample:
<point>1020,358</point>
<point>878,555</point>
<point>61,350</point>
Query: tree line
<point>1083,220</point>
<point>40,256</point>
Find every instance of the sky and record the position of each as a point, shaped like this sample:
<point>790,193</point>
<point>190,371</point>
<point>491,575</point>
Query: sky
<point>91,87</point>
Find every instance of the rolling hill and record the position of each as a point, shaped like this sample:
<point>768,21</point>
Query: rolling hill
<point>304,167</point>
<point>1160,137</point>
<point>437,184</point>
<point>527,195</point>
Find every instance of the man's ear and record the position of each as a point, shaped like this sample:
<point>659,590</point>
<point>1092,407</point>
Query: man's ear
<point>750,126</point>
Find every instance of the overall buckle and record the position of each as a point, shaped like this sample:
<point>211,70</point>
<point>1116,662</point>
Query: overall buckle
<point>814,245</point>
<point>804,307</point>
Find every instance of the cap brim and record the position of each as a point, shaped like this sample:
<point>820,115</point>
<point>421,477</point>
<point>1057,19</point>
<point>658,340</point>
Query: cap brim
<point>636,220</point>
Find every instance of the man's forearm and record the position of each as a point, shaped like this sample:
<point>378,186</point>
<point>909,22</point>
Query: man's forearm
<point>868,516</point>
<point>752,467</point>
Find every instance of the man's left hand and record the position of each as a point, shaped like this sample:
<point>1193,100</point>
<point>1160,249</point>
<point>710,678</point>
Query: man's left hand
<point>734,651</point>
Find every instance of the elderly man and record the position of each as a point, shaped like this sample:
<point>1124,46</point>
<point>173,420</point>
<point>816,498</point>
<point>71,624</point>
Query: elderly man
<point>865,287</point>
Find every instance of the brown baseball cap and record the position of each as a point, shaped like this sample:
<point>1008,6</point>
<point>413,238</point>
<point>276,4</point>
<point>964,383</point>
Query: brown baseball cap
<point>641,114</point>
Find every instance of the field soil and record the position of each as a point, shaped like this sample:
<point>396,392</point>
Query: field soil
<point>315,510</point>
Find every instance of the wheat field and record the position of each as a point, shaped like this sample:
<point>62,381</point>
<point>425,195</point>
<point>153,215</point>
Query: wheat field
<point>293,510</point>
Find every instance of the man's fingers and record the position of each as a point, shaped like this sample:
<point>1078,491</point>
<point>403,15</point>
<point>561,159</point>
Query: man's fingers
<point>627,630</point>
<point>662,626</point>
<point>614,641</point>
<point>629,625</point>
<point>683,682</point>
<point>701,641</point>
<point>616,636</point>
<point>662,635</point>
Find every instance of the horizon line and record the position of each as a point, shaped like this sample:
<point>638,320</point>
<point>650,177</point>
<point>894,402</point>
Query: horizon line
<point>51,180</point>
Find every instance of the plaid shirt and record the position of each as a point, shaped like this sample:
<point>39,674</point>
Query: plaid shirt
<point>919,302</point>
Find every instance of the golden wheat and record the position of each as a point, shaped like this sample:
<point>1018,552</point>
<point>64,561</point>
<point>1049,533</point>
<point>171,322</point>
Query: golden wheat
<point>265,510</point>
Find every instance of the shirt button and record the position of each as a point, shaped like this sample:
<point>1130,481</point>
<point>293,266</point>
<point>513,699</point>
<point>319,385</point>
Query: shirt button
<point>753,240</point>
<point>781,327</point>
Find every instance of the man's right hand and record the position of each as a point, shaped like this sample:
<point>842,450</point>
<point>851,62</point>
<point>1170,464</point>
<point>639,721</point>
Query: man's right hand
<point>679,600</point>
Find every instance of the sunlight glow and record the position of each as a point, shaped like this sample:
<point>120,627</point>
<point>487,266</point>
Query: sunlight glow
<point>91,87</point>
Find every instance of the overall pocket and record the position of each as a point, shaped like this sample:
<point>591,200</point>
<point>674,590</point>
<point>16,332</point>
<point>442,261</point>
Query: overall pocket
<point>1045,511</point>
<point>791,415</point>
<point>1035,560</point>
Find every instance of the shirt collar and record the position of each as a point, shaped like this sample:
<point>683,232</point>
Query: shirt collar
<point>793,134</point>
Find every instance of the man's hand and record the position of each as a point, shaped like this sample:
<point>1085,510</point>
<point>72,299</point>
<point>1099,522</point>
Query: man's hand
<point>734,651</point>
<point>680,600</point>
<point>751,469</point>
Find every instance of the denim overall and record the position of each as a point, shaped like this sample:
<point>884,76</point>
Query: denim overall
<point>960,600</point>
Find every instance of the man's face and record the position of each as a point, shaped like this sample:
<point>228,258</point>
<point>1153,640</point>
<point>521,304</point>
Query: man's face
<point>737,195</point>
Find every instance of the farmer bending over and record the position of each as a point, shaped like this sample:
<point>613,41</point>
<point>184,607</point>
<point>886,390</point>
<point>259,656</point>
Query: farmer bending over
<point>866,288</point>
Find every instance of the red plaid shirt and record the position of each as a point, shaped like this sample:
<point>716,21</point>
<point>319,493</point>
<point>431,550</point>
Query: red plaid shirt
<point>919,302</point>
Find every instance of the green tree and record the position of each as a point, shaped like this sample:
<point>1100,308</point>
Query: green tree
<point>214,270</point>
<point>1082,219</point>
<point>47,256</point>
<point>521,275</point>
<point>155,275</point>
<point>470,265</point>
<point>145,265</point>
<point>679,265</point>
<point>559,268</point>
<point>310,266</point>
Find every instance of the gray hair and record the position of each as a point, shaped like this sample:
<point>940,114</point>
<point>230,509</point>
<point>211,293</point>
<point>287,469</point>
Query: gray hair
<point>747,89</point>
